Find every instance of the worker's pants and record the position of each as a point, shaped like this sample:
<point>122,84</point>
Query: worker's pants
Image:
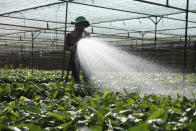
<point>76,67</point>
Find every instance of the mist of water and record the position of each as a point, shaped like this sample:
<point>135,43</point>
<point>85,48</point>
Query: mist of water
<point>113,69</point>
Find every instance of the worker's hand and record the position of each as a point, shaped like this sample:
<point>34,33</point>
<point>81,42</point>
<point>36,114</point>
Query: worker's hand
<point>73,48</point>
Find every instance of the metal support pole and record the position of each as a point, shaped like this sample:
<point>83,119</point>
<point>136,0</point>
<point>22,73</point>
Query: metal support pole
<point>185,45</point>
<point>32,35</point>
<point>21,53</point>
<point>142,44</point>
<point>155,34</point>
<point>156,22</point>
<point>142,33</point>
<point>189,43</point>
<point>64,41</point>
<point>195,45</point>
<point>56,30</point>
<point>167,2</point>
<point>92,31</point>
<point>194,62</point>
<point>155,41</point>
<point>32,47</point>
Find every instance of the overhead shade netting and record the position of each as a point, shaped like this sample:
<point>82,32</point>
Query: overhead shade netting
<point>14,5</point>
<point>117,20</point>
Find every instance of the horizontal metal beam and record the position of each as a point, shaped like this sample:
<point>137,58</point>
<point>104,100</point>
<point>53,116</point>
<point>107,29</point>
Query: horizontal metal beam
<point>97,26</point>
<point>28,40</point>
<point>97,35</point>
<point>17,33</point>
<point>164,5</point>
<point>17,38</point>
<point>38,20</point>
<point>173,29</point>
<point>94,23</point>
<point>32,8</point>
<point>11,29</point>
<point>130,31</point>
<point>136,18</point>
<point>30,27</point>
<point>38,28</point>
<point>179,19</point>
<point>151,31</point>
<point>56,29</point>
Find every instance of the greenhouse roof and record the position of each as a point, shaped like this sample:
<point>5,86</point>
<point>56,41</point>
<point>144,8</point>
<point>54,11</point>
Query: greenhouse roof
<point>119,21</point>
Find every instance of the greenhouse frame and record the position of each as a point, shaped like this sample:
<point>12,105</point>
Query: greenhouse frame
<point>32,32</point>
<point>97,65</point>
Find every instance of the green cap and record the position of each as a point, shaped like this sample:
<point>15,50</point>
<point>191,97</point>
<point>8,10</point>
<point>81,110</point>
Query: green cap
<point>81,19</point>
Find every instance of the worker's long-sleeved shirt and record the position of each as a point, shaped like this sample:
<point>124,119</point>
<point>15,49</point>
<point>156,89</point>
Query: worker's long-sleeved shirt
<point>73,37</point>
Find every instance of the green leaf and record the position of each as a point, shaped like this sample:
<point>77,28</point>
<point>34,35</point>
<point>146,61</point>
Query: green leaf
<point>8,88</point>
<point>5,128</point>
<point>153,108</point>
<point>162,114</point>
<point>10,109</point>
<point>141,127</point>
<point>191,126</point>
<point>61,108</point>
<point>93,103</point>
<point>67,89</point>
<point>175,110</point>
<point>96,128</point>
<point>58,116</point>
<point>100,118</point>
<point>34,109</point>
<point>1,90</point>
<point>130,101</point>
<point>95,99</point>
<point>55,94</point>
<point>67,125</point>
<point>31,127</point>
<point>126,112</point>
<point>105,94</point>
<point>16,114</point>
<point>67,94</point>
<point>144,106</point>
<point>36,98</point>
<point>22,98</point>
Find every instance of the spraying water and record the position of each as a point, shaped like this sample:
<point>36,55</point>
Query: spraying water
<point>113,69</point>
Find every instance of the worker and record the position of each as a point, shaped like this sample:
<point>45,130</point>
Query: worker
<point>71,45</point>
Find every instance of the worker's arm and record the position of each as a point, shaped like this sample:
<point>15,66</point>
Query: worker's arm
<point>86,34</point>
<point>72,48</point>
<point>68,46</point>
